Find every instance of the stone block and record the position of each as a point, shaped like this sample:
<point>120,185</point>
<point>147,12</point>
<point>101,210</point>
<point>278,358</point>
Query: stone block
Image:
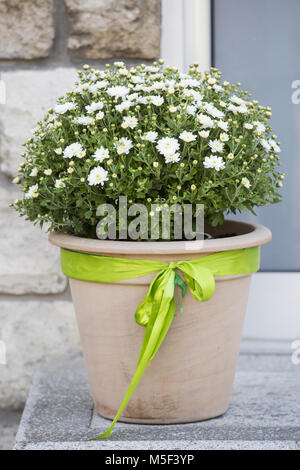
<point>34,331</point>
<point>28,263</point>
<point>27,29</point>
<point>29,93</point>
<point>114,28</point>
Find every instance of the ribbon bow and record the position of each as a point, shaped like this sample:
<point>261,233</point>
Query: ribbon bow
<point>157,310</point>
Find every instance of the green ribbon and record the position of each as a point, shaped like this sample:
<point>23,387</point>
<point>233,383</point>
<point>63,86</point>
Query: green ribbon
<point>157,310</point>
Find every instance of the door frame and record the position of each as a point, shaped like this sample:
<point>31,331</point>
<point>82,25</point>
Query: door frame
<point>186,33</point>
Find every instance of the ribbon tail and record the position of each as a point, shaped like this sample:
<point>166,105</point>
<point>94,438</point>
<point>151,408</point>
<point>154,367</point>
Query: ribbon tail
<point>165,327</point>
<point>135,380</point>
<point>163,309</point>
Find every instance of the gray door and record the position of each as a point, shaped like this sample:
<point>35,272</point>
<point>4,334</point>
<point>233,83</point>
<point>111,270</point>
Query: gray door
<point>257,42</point>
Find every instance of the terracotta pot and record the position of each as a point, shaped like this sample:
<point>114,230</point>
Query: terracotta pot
<point>191,376</point>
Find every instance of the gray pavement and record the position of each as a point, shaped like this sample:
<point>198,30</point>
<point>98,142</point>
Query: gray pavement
<point>264,412</point>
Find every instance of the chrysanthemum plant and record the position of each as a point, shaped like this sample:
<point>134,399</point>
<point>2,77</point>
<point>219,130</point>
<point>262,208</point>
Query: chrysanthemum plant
<point>154,135</point>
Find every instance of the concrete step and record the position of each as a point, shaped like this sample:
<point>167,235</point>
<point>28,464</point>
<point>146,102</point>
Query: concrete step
<point>264,412</point>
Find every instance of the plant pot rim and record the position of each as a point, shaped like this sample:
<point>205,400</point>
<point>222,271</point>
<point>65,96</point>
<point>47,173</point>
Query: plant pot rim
<point>248,235</point>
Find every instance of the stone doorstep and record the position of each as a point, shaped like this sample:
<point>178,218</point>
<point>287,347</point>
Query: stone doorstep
<point>264,413</point>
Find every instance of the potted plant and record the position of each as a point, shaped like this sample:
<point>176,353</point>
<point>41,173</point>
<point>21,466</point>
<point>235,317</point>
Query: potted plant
<point>157,137</point>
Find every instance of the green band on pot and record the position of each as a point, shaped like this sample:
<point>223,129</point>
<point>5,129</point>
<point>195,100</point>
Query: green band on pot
<point>157,309</point>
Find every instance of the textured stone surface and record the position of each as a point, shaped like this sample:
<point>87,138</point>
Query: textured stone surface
<point>27,28</point>
<point>34,331</point>
<point>29,93</point>
<point>165,445</point>
<point>9,423</point>
<point>28,263</point>
<point>264,413</point>
<point>114,28</point>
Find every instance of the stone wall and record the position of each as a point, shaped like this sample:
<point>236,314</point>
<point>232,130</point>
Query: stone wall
<point>42,44</point>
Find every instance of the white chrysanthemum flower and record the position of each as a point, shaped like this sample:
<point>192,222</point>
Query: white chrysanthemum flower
<point>242,109</point>
<point>132,97</point>
<point>167,145</point>
<point>245,182</point>
<point>34,171</point>
<point>214,162</point>
<point>157,76</point>
<point>191,109</point>
<point>74,150</point>
<point>81,154</point>
<point>99,116</point>
<point>224,137</point>
<point>218,88</point>
<point>171,91</point>
<point>187,136</point>
<point>172,157</point>
<point>83,120</point>
<point>194,95</point>
<point>82,88</point>
<point>48,172</point>
<point>97,175</point>
<point>260,127</point>
<point>238,109</point>
<point>93,107</point>
<point>102,84</point>
<point>265,144</point>
<point>101,154</point>
<point>216,146</point>
<point>172,109</point>
<point>129,121</point>
<point>136,79</point>
<point>233,108</point>
<point>123,72</point>
<point>157,100</point>
<point>93,89</point>
<point>239,101</point>
<point>158,86</point>
<point>211,81</point>
<point>198,102</point>
<point>248,126</point>
<point>119,64</point>
<point>151,69</point>
<point>118,91</point>
<point>58,151</point>
<point>151,136</point>
<point>138,87</point>
<point>124,106</point>
<point>59,184</point>
<point>204,134</point>
<point>223,125</point>
<point>213,111</point>
<point>274,146</point>
<point>143,100</point>
<point>32,192</point>
<point>63,108</point>
<point>190,82</point>
<point>205,121</point>
<point>123,145</point>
